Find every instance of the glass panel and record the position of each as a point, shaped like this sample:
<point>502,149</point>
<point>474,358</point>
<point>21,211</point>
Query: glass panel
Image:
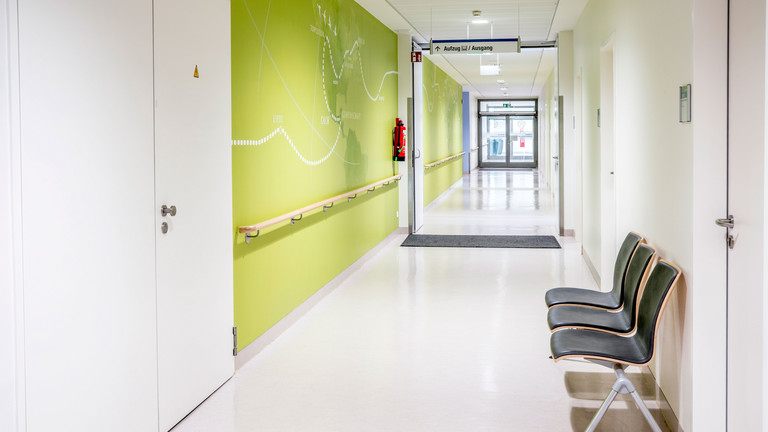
<point>494,139</point>
<point>521,136</point>
<point>508,106</point>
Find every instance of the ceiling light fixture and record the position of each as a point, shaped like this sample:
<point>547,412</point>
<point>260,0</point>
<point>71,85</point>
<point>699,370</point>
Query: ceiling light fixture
<point>504,89</point>
<point>490,69</point>
<point>476,13</point>
<point>500,81</point>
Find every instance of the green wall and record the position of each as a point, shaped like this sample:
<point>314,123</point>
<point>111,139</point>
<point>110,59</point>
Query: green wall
<point>314,97</point>
<point>442,130</point>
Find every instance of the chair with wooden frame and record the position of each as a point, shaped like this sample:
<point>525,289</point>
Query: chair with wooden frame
<point>617,351</point>
<point>622,321</point>
<point>610,300</point>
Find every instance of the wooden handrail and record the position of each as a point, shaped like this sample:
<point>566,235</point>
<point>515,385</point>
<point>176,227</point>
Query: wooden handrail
<point>444,160</point>
<point>298,214</point>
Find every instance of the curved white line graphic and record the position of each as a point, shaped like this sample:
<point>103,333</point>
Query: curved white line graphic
<point>282,131</point>
<point>277,70</point>
<point>348,53</point>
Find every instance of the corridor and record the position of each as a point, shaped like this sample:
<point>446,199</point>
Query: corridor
<point>421,339</point>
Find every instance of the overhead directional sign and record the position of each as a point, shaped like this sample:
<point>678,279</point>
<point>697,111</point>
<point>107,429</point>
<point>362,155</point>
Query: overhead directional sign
<point>474,46</point>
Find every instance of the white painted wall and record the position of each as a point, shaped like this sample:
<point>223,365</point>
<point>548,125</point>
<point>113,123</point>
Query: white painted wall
<point>653,155</point>
<point>8,262</point>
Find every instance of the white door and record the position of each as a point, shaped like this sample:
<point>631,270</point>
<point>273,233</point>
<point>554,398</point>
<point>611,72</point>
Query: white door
<point>606,117</point>
<point>193,174</point>
<point>418,147</point>
<point>746,202</point>
<point>88,215</point>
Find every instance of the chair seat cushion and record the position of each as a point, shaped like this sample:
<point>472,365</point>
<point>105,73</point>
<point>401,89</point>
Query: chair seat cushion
<point>579,316</point>
<point>581,296</point>
<point>594,343</point>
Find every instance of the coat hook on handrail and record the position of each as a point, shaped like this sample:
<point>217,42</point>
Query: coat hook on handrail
<point>351,197</point>
<point>249,236</point>
<point>326,207</point>
<point>293,219</point>
<point>371,189</point>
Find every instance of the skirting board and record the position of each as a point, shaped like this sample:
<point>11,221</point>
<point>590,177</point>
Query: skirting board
<point>592,269</point>
<point>666,409</point>
<point>255,347</point>
<point>444,194</point>
<point>569,233</point>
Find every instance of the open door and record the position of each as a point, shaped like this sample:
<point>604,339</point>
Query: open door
<point>193,177</point>
<point>416,136</point>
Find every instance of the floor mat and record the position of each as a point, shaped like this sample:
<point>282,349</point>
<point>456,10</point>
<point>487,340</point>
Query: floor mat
<point>482,241</point>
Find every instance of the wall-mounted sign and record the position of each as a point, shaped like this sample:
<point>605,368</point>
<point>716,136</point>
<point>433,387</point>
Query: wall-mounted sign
<point>474,46</point>
<point>415,56</point>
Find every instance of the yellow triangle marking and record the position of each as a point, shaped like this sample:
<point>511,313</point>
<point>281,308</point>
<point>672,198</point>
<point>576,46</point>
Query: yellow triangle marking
<point>197,75</point>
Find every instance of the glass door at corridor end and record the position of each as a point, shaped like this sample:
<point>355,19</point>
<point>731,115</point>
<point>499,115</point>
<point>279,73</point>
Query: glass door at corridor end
<point>508,137</point>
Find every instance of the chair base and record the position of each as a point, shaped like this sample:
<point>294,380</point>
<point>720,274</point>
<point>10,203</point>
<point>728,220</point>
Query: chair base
<point>624,386</point>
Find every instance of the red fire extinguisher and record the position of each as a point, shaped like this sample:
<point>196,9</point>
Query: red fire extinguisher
<point>398,141</point>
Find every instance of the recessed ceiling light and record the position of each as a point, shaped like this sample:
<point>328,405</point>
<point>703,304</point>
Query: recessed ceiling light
<point>500,81</point>
<point>504,89</point>
<point>489,69</point>
<point>480,21</point>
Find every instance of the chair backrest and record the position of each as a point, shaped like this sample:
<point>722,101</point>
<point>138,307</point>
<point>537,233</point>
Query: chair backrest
<point>636,273</point>
<point>622,263</point>
<point>661,282</point>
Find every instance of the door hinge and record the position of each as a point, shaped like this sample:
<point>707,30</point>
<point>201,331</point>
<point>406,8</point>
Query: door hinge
<point>234,341</point>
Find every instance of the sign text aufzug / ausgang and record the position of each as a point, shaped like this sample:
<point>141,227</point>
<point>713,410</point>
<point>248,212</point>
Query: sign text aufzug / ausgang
<point>490,46</point>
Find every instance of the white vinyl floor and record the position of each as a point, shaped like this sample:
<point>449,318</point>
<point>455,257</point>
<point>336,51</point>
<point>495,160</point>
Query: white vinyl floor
<point>434,339</point>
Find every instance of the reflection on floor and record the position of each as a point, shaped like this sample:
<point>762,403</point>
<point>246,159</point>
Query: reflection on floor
<point>507,202</point>
<point>432,339</point>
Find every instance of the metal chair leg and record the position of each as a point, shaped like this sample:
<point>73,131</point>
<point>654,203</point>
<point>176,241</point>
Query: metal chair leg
<point>601,412</point>
<point>622,385</point>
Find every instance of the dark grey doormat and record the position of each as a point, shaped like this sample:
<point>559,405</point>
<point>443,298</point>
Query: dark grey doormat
<point>481,241</point>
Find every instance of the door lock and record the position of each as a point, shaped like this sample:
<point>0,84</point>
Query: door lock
<point>730,240</point>
<point>165,210</point>
<point>164,227</point>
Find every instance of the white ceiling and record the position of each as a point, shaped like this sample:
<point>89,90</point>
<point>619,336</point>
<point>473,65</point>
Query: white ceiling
<point>524,73</point>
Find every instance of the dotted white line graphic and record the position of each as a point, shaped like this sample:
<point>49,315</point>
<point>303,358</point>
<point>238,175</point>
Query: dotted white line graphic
<point>282,131</point>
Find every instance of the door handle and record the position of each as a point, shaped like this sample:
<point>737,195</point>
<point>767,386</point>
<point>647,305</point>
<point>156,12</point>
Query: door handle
<point>725,223</point>
<point>556,157</point>
<point>165,210</point>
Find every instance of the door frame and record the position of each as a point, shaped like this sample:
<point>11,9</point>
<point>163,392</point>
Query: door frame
<point>508,164</point>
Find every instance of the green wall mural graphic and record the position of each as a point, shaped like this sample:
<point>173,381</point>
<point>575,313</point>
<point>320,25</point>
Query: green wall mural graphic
<point>442,129</point>
<point>314,97</point>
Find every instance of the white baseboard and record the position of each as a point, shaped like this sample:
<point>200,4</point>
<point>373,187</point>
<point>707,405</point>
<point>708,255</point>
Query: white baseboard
<point>255,347</point>
<point>668,414</point>
<point>443,195</point>
<point>592,269</point>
